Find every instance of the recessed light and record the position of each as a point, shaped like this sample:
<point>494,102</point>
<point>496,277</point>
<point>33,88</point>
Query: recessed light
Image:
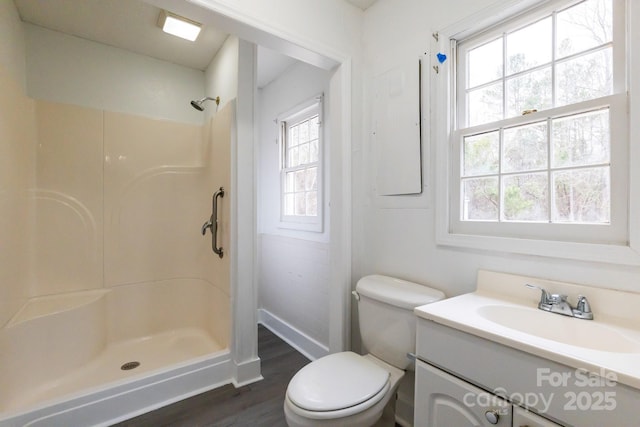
<point>179,26</point>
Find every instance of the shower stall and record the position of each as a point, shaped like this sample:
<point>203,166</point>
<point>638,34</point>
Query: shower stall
<point>127,292</point>
<point>111,300</point>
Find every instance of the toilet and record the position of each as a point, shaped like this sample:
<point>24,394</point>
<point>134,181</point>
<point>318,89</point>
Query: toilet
<point>347,389</point>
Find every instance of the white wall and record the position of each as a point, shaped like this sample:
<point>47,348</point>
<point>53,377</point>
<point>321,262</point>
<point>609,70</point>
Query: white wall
<point>293,286</point>
<point>397,237</point>
<point>71,70</point>
<point>293,275</point>
<point>221,76</point>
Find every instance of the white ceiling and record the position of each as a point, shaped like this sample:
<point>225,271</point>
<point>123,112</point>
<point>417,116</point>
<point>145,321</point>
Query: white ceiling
<point>127,24</point>
<point>131,25</point>
<point>270,65</point>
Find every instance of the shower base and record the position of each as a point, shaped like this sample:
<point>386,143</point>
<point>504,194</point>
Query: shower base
<point>153,352</point>
<point>63,358</point>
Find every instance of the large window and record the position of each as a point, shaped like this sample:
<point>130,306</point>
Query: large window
<point>301,167</point>
<point>538,125</point>
<point>539,100</point>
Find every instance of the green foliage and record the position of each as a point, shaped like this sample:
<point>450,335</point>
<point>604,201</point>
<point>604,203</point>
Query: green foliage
<point>514,202</point>
<point>481,154</point>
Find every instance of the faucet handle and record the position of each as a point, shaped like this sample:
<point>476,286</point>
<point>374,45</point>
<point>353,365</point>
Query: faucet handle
<point>583,309</point>
<point>545,297</point>
<point>583,304</point>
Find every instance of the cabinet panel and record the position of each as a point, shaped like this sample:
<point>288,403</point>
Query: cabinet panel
<point>557,391</point>
<point>446,401</point>
<point>523,418</point>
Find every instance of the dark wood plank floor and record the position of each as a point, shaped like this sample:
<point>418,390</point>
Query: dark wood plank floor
<point>258,404</point>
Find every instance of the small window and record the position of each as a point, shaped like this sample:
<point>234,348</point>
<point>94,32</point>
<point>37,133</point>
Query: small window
<point>301,167</point>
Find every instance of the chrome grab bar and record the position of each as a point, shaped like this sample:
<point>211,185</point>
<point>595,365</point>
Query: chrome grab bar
<point>213,223</point>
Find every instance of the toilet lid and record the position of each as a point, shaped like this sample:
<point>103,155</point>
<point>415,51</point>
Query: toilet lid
<point>337,381</point>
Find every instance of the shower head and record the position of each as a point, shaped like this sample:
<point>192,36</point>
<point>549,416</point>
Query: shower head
<point>198,104</point>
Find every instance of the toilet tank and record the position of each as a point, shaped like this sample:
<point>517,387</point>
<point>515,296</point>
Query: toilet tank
<point>385,312</point>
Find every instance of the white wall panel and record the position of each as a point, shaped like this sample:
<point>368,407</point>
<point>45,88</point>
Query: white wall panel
<point>221,76</point>
<point>294,277</point>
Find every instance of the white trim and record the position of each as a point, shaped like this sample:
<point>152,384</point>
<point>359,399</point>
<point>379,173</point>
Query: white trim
<point>340,233</point>
<point>301,108</point>
<point>309,347</point>
<point>442,118</point>
<point>247,372</point>
<point>633,43</point>
<point>242,197</point>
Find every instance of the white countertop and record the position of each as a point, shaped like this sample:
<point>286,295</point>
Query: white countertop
<point>466,313</point>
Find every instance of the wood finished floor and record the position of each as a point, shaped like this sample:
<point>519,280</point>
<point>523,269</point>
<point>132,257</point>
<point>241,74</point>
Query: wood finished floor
<point>258,404</point>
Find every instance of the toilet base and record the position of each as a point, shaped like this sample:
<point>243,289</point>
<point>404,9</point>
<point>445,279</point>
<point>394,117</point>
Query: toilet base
<point>388,418</point>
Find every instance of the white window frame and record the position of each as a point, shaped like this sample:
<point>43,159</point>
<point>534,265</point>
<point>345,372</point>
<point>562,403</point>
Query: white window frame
<point>301,112</point>
<point>533,239</point>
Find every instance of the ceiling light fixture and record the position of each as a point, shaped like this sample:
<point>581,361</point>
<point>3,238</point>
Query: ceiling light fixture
<point>179,26</point>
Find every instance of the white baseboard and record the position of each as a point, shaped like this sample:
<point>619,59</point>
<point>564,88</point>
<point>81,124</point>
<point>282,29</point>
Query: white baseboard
<point>247,372</point>
<point>297,339</point>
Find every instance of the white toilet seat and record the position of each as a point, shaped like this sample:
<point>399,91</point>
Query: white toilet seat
<point>362,414</point>
<point>337,386</point>
<point>338,382</point>
<point>340,413</point>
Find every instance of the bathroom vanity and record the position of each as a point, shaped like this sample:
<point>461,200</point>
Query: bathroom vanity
<point>493,358</point>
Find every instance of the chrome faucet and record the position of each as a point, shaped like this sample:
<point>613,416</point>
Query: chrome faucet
<point>557,303</point>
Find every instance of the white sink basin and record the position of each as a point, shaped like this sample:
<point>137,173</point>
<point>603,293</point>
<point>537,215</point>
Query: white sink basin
<point>563,329</point>
<point>504,310</point>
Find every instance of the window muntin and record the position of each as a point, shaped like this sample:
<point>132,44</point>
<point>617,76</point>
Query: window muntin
<point>301,167</point>
<point>564,57</point>
<point>555,170</point>
<point>553,164</point>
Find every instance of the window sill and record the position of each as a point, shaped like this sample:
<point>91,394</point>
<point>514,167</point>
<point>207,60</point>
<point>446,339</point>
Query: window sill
<point>301,226</point>
<point>590,252</point>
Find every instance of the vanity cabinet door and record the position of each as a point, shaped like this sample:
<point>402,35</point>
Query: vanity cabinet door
<point>443,400</point>
<point>523,418</point>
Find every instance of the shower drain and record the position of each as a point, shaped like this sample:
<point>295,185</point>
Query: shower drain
<point>129,366</point>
